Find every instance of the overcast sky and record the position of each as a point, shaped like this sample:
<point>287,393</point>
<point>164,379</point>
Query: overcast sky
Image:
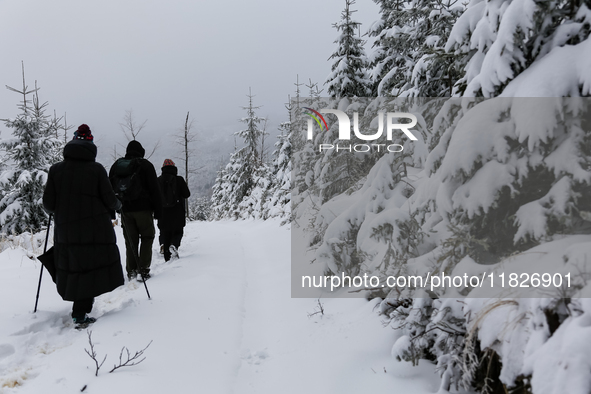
<point>95,60</point>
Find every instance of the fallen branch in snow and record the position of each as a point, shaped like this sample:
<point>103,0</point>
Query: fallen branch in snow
<point>131,360</point>
<point>92,354</point>
<point>319,309</point>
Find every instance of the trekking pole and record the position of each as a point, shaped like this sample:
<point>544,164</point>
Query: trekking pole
<point>135,255</point>
<point>41,273</point>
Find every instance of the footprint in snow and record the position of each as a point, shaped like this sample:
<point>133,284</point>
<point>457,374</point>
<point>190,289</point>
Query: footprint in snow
<point>255,357</point>
<point>54,320</point>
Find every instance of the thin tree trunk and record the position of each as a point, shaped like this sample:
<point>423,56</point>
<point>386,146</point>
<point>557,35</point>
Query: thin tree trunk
<point>187,161</point>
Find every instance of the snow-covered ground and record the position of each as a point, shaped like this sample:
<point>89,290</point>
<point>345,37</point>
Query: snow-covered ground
<point>221,320</point>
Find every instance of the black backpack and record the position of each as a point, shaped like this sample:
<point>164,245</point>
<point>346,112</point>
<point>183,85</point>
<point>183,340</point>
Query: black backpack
<point>169,190</point>
<point>126,180</point>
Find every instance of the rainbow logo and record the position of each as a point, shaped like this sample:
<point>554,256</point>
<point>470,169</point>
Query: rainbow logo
<point>316,119</point>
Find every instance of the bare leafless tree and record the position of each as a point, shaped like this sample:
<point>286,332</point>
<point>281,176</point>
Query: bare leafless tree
<point>186,140</point>
<point>131,129</point>
<point>264,149</point>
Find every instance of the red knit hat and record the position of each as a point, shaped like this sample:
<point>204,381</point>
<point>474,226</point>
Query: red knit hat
<point>83,133</point>
<point>168,162</point>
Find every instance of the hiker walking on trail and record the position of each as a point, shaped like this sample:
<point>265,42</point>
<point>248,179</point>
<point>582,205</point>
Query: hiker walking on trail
<point>174,191</point>
<point>135,182</point>
<point>79,195</point>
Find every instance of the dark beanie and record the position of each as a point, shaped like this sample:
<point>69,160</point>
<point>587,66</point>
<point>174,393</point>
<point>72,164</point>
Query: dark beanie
<point>135,149</point>
<point>83,133</point>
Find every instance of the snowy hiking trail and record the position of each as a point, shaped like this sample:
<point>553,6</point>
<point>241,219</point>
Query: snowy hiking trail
<point>221,319</point>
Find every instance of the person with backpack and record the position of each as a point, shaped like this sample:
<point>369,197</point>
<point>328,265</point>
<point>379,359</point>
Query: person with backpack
<point>85,252</point>
<point>172,221</point>
<point>135,182</point>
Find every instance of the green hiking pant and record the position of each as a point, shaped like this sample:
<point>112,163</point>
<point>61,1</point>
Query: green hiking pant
<point>138,229</point>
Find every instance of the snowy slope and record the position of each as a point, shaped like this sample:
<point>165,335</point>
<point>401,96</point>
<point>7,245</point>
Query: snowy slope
<point>221,320</point>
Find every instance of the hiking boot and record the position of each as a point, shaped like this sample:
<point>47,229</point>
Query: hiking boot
<point>174,253</point>
<point>83,322</point>
<point>145,275</point>
<point>132,275</point>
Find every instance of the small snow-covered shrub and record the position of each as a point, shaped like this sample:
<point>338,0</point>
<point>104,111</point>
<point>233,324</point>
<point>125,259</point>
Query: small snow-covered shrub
<point>200,209</point>
<point>31,244</point>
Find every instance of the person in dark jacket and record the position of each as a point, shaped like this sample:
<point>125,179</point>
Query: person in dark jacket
<point>172,221</point>
<point>79,195</point>
<point>138,214</point>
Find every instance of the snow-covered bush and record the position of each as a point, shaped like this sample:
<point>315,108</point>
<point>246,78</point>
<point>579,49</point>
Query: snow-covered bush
<point>33,244</point>
<point>200,209</point>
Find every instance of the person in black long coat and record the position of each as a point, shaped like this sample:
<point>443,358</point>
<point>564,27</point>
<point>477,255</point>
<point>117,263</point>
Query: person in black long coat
<point>172,219</point>
<point>78,193</point>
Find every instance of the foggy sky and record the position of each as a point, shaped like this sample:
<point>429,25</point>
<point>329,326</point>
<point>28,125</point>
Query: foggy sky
<point>161,59</point>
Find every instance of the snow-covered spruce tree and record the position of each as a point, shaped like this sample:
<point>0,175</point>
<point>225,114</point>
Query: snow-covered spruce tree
<point>534,42</point>
<point>298,123</point>
<point>396,47</point>
<point>513,174</point>
<point>245,172</point>
<point>223,201</point>
<point>279,204</point>
<point>508,38</point>
<point>386,59</point>
<point>529,168</point>
<point>339,172</point>
<point>253,178</point>
<point>374,235</point>
<point>52,125</point>
<point>255,204</point>
<point>305,156</point>
<point>408,57</point>
<point>200,209</point>
<point>348,77</point>
<point>298,140</point>
<point>467,58</point>
<point>435,70</point>
<point>341,169</point>
<point>502,176</point>
<point>365,237</point>
<point>28,153</point>
<point>501,39</point>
